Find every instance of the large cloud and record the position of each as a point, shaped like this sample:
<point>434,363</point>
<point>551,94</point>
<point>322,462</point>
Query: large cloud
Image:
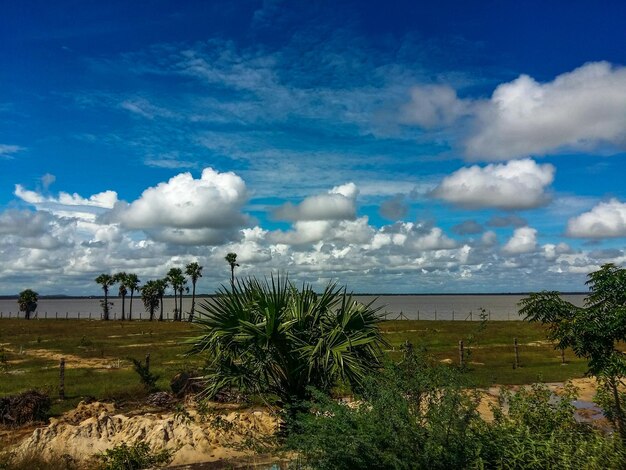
<point>519,184</point>
<point>338,204</point>
<point>580,110</point>
<point>606,220</point>
<point>69,205</point>
<point>212,202</point>
<point>524,240</point>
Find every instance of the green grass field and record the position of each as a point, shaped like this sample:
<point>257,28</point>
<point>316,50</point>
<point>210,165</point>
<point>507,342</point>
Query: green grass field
<point>97,353</point>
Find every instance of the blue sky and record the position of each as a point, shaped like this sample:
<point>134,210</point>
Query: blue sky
<point>394,147</point>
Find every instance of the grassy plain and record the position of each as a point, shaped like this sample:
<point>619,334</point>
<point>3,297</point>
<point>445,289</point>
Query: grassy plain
<point>97,353</point>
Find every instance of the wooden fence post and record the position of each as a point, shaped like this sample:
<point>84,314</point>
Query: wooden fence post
<point>62,379</point>
<point>461,354</point>
<point>515,347</point>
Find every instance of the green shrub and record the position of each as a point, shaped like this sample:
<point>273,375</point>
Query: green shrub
<point>271,338</point>
<point>411,415</point>
<point>134,457</point>
<point>417,415</point>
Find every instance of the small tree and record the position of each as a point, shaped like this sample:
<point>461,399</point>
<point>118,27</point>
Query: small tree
<point>106,281</point>
<point>194,271</point>
<point>132,283</point>
<point>231,259</point>
<point>150,297</point>
<point>160,285</point>
<point>121,278</point>
<point>593,331</point>
<point>177,281</point>
<point>27,302</point>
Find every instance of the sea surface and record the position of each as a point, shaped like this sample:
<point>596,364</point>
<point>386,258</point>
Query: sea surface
<point>423,307</point>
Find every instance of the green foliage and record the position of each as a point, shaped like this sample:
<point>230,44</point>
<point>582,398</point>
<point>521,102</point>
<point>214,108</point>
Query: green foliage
<point>134,457</point>
<point>148,379</point>
<point>27,302</point>
<point>593,332</point>
<point>270,337</point>
<point>412,415</point>
<point>540,431</point>
<point>106,281</point>
<point>418,415</point>
<point>150,297</point>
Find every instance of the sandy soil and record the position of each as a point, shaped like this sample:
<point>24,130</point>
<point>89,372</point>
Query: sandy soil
<point>93,428</point>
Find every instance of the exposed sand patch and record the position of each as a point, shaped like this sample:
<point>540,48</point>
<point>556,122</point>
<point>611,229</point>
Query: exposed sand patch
<point>72,360</point>
<point>94,428</point>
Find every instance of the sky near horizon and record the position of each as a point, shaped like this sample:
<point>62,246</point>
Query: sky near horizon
<point>395,147</point>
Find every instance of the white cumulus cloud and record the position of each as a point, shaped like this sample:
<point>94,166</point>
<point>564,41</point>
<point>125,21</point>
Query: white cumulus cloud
<point>579,110</point>
<point>338,204</point>
<point>518,184</point>
<point>213,201</point>
<point>524,240</point>
<point>605,220</point>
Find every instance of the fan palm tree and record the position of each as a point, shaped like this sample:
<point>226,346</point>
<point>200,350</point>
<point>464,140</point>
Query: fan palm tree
<point>27,302</point>
<point>106,281</point>
<point>150,297</point>
<point>270,337</point>
<point>121,279</point>
<point>231,259</point>
<point>177,281</point>
<point>161,286</point>
<point>194,271</point>
<point>132,283</point>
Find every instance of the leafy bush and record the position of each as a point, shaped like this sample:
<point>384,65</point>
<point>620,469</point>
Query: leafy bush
<point>272,338</point>
<point>540,431</point>
<point>417,415</point>
<point>412,415</point>
<point>134,457</point>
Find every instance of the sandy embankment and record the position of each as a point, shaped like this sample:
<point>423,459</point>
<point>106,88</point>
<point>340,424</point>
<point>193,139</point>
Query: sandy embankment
<point>94,428</point>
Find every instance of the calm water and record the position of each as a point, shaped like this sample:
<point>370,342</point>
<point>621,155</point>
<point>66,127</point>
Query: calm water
<point>424,307</point>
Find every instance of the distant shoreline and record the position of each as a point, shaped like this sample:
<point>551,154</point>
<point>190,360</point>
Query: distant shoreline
<point>471,294</point>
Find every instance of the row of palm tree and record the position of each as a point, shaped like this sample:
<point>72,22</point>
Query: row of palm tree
<point>153,291</point>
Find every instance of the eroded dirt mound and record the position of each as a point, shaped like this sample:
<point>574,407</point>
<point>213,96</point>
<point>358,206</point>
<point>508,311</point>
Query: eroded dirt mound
<point>190,438</point>
<point>86,410</point>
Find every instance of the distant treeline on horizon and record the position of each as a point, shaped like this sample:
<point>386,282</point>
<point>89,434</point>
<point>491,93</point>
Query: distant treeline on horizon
<point>62,296</point>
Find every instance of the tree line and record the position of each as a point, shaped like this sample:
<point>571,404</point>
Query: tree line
<point>152,292</point>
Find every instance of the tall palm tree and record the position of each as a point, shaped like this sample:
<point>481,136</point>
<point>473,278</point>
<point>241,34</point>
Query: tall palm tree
<point>231,259</point>
<point>132,283</point>
<point>121,279</point>
<point>161,286</point>
<point>106,281</point>
<point>150,297</point>
<point>194,271</point>
<point>177,281</point>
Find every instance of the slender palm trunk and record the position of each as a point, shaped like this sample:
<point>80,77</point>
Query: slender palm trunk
<point>232,276</point>
<point>123,307</point>
<point>130,309</point>
<point>180,314</point>
<point>193,301</point>
<point>175,305</point>
<point>161,313</point>
<point>106,304</point>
